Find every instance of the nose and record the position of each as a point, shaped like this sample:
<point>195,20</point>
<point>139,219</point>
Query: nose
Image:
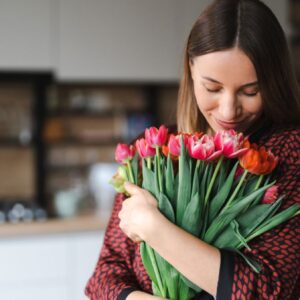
<point>229,107</point>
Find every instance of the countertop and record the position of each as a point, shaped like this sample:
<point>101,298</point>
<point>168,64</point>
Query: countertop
<point>53,226</point>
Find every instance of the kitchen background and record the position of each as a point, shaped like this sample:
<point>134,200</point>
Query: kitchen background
<point>76,77</point>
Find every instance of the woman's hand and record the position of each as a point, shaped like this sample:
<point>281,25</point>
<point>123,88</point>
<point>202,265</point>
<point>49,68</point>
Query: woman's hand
<point>138,213</point>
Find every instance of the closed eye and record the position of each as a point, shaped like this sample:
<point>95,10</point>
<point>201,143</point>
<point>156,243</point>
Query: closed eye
<point>213,90</point>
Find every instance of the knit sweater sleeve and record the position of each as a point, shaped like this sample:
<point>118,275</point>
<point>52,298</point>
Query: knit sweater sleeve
<point>113,275</point>
<point>277,251</point>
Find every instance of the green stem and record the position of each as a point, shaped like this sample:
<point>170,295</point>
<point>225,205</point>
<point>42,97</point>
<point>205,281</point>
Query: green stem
<point>258,182</point>
<point>156,271</point>
<point>236,190</point>
<point>148,162</point>
<point>158,168</point>
<point>216,171</point>
<point>130,172</point>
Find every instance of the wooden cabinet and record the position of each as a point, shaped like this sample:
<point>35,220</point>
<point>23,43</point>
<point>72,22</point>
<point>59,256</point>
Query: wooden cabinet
<point>26,34</point>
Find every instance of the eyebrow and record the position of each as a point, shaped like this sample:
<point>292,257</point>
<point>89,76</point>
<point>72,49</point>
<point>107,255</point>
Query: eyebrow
<point>216,81</point>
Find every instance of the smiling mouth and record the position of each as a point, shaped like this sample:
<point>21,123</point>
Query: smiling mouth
<point>228,125</point>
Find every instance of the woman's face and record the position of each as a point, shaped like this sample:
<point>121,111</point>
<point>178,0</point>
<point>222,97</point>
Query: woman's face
<point>226,89</point>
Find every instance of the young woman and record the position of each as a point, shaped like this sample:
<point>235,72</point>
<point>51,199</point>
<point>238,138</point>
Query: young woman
<point>237,75</point>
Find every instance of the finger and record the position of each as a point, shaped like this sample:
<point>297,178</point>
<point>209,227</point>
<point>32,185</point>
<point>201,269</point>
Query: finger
<point>131,188</point>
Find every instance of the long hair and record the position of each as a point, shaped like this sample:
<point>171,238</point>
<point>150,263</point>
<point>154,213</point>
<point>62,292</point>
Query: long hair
<point>252,27</point>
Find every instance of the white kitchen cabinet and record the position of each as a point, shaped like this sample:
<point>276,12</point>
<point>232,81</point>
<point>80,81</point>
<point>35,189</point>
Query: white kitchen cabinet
<point>122,40</point>
<point>54,266</point>
<point>27,34</point>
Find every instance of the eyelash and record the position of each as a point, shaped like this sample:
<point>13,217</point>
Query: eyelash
<point>246,94</point>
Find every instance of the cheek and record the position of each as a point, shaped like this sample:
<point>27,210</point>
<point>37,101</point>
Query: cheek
<point>205,102</point>
<point>255,106</point>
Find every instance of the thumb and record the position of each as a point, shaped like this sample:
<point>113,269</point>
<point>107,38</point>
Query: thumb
<point>131,188</point>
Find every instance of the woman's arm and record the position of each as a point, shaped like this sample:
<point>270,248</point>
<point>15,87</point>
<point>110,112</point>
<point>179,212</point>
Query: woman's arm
<point>195,259</point>
<point>113,273</point>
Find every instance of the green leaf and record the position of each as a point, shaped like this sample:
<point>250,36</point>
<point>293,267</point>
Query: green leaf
<point>172,279</point>
<point>190,284</point>
<point>149,180</point>
<point>147,262</point>
<point>184,184</point>
<point>226,239</point>
<point>275,221</point>
<point>256,267</point>
<point>135,167</point>
<point>235,226</point>
<point>155,289</point>
<point>204,182</point>
<point>191,221</point>
<point>220,198</point>
<point>231,212</point>
<point>165,207</point>
<point>170,180</point>
<point>183,290</point>
<point>255,215</point>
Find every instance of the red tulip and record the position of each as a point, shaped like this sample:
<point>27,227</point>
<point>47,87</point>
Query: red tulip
<point>144,149</point>
<point>258,161</point>
<point>270,195</point>
<point>230,142</point>
<point>156,137</point>
<point>124,153</point>
<point>174,143</point>
<point>203,148</point>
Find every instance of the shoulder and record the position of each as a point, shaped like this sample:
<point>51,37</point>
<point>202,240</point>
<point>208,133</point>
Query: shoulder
<point>284,142</point>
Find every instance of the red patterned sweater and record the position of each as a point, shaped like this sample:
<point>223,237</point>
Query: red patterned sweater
<point>119,269</point>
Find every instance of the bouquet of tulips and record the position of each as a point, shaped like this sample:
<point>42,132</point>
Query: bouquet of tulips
<point>217,188</point>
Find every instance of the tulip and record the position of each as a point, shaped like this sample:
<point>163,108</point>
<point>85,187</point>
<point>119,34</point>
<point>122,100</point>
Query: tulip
<point>259,161</point>
<point>117,181</point>
<point>270,195</point>
<point>124,153</point>
<point>203,148</point>
<point>174,143</point>
<point>230,142</point>
<point>156,137</point>
<point>144,148</point>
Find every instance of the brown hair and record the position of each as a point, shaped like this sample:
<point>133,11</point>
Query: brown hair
<point>251,26</point>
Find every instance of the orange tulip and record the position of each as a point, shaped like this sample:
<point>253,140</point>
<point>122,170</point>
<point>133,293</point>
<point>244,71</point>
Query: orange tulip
<point>257,160</point>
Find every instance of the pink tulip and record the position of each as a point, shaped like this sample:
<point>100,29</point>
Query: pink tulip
<point>124,153</point>
<point>230,142</point>
<point>270,195</point>
<point>144,149</point>
<point>203,148</point>
<point>156,137</point>
<point>174,143</point>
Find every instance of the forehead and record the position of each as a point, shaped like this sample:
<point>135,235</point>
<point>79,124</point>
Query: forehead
<point>230,66</point>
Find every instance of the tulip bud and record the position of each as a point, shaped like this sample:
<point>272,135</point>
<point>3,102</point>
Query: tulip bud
<point>202,148</point>
<point>144,148</point>
<point>124,153</point>
<point>156,137</point>
<point>117,181</point>
<point>230,142</point>
<point>270,195</point>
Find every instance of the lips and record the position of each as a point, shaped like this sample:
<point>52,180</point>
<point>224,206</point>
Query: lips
<point>228,125</point>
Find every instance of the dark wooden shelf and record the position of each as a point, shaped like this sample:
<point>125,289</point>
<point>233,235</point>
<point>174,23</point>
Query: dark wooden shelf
<point>93,114</point>
<point>77,142</point>
<point>13,142</point>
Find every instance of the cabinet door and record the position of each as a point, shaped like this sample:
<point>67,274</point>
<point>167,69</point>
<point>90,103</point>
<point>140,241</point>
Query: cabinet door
<point>26,32</point>
<point>119,40</point>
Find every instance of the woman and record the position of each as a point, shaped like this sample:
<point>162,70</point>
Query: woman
<point>237,74</point>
